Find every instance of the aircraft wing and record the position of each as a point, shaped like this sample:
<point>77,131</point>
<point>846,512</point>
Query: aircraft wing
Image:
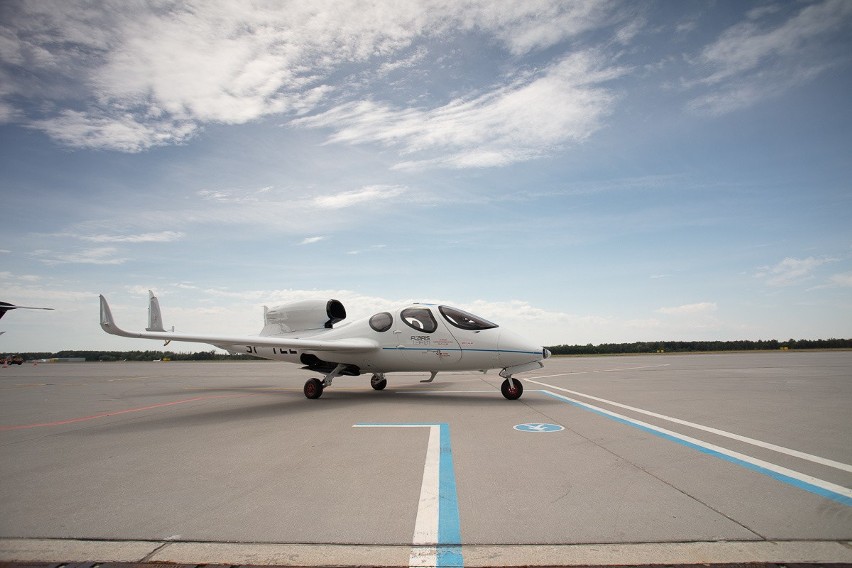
<point>353,345</point>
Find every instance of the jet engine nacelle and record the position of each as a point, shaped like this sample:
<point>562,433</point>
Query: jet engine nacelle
<point>302,316</point>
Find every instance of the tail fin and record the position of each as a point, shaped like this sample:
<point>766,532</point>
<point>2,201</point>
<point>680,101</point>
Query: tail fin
<point>155,319</point>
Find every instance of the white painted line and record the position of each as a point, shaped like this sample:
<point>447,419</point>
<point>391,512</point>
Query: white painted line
<point>437,391</point>
<point>723,433</point>
<point>598,371</point>
<point>426,525</point>
<point>803,481</point>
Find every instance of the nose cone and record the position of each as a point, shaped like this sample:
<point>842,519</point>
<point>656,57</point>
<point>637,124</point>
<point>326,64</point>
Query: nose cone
<point>517,350</point>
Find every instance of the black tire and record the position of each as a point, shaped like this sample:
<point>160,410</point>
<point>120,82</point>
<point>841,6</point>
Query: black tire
<point>379,384</point>
<point>313,388</point>
<point>512,391</point>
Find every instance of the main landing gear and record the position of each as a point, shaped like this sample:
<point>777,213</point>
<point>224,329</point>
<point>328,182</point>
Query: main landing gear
<point>378,381</point>
<point>314,387</point>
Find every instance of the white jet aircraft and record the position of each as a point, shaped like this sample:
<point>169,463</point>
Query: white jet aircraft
<point>6,306</point>
<point>419,337</point>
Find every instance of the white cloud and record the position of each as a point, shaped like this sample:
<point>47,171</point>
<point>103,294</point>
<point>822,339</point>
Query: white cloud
<point>533,116</point>
<point>791,270</point>
<point>390,66</point>
<point>690,309</point>
<point>372,248</point>
<point>367,194</point>
<point>6,275</point>
<point>311,240</point>
<point>116,131</point>
<point>98,255</point>
<point>160,237</point>
<point>129,77</point>
<point>756,59</point>
<point>841,280</point>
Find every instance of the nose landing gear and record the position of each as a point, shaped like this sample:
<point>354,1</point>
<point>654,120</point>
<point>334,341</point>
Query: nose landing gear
<point>512,389</point>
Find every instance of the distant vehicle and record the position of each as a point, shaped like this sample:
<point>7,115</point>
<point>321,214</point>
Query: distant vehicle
<point>13,360</point>
<point>419,337</point>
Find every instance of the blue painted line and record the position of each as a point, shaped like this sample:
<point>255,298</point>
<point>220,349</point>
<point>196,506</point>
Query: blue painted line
<point>822,492</point>
<point>462,350</point>
<point>449,528</point>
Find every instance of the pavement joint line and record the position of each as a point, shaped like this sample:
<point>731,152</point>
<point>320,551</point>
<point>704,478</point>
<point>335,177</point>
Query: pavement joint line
<point>13,550</point>
<point>155,551</point>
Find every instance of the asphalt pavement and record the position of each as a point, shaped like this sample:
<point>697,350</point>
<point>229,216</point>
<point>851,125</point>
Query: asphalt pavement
<point>668,459</point>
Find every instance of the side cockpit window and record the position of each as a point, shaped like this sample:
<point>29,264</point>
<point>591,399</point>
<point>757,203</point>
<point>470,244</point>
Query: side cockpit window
<point>420,319</point>
<point>381,322</point>
<point>464,320</point>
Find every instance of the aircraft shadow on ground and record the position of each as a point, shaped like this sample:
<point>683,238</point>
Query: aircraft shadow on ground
<point>292,403</point>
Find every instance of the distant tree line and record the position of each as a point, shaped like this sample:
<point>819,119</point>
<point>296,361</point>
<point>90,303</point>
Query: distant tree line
<point>139,356</point>
<point>602,349</point>
<point>694,346</point>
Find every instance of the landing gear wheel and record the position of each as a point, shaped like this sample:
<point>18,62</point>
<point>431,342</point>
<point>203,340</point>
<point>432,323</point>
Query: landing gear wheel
<point>513,389</point>
<point>313,388</point>
<point>378,383</point>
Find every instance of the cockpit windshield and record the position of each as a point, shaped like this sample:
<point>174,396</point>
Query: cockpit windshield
<point>464,320</point>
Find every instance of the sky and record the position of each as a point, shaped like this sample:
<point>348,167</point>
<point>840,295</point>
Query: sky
<point>579,172</point>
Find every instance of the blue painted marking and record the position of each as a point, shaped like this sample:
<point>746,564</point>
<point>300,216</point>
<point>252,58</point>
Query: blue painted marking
<point>842,499</point>
<point>449,528</point>
<point>538,427</point>
<point>462,350</point>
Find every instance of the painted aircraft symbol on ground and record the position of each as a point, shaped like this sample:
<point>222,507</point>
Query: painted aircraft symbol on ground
<point>416,338</point>
<point>538,427</point>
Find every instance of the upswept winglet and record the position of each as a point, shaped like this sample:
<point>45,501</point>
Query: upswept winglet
<point>155,318</point>
<point>107,321</point>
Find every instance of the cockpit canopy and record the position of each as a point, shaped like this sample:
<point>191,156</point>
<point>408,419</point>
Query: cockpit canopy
<point>464,320</point>
<point>423,320</point>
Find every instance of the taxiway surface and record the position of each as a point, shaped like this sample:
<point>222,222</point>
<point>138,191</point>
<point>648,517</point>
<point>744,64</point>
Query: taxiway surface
<point>721,448</point>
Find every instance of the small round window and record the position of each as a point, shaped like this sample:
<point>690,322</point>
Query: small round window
<point>381,322</point>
